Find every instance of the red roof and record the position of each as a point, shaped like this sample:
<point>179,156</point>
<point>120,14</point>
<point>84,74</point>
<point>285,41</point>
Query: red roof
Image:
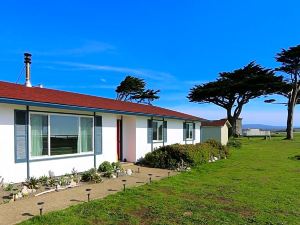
<point>50,96</point>
<point>214,123</point>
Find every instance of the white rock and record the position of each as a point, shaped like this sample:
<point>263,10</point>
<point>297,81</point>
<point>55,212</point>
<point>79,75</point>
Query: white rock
<point>113,176</point>
<point>215,158</point>
<point>73,184</point>
<point>31,191</point>
<point>129,172</point>
<point>19,195</point>
<point>25,191</point>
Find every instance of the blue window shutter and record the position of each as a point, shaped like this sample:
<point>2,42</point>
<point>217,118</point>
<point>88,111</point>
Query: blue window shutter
<point>165,131</point>
<point>21,128</point>
<point>184,130</point>
<point>98,135</point>
<point>194,129</point>
<point>150,131</point>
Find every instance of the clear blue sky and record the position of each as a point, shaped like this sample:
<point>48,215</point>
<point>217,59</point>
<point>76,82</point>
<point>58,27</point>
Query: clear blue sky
<point>90,46</point>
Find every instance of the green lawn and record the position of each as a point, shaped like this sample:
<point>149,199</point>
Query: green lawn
<point>258,184</point>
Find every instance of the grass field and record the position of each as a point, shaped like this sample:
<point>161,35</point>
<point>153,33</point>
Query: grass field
<point>258,184</point>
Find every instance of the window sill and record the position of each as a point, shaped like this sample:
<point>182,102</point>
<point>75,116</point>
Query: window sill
<point>46,158</point>
<point>160,141</point>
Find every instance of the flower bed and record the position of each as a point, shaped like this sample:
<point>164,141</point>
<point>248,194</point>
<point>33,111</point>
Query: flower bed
<point>37,186</point>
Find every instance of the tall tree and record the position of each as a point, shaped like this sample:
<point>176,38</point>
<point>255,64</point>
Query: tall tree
<point>290,64</point>
<point>133,89</point>
<point>232,90</point>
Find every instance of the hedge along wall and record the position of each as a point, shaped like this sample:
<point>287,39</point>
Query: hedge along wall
<point>170,156</point>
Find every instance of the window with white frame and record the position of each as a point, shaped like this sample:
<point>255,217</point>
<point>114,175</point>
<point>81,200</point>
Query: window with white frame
<point>57,134</point>
<point>157,130</point>
<point>189,130</point>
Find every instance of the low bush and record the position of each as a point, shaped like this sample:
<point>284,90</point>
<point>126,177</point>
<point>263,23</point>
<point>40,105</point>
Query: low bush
<point>234,143</point>
<point>43,180</point>
<point>91,176</point>
<point>105,167</point>
<point>172,156</point>
<point>8,187</point>
<point>32,183</point>
<point>116,166</point>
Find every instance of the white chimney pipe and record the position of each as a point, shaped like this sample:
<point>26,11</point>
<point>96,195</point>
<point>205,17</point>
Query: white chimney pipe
<point>27,61</point>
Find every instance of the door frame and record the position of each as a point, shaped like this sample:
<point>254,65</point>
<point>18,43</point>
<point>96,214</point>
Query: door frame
<point>120,139</point>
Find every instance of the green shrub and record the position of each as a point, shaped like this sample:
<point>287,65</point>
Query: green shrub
<point>218,150</point>
<point>116,166</point>
<point>108,174</point>
<point>32,183</point>
<point>52,182</point>
<point>171,156</point>
<point>105,167</point>
<point>43,180</point>
<point>64,180</point>
<point>234,143</point>
<point>91,175</point>
<point>8,187</point>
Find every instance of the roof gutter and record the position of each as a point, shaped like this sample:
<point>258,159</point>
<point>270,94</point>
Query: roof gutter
<point>82,108</point>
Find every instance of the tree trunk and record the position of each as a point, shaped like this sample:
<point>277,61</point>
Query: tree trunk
<point>232,121</point>
<point>290,117</point>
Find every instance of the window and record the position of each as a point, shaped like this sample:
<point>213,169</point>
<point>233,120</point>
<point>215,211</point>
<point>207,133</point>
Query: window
<point>86,134</point>
<point>157,130</point>
<point>64,134</point>
<point>53,134</point>
<point>189,130</point>
<point>39,135</point>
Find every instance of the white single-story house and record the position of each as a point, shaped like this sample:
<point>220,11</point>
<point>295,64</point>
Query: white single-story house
<point>44,130</point>
<point>215,129</point>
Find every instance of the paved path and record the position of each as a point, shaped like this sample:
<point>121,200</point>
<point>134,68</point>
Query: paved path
<point>12,213</point>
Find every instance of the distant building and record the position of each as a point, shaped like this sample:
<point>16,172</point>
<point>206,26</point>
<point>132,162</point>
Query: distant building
<point>256,133</point>
<point>215,129</point>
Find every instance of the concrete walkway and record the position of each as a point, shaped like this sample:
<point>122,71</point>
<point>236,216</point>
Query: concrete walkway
<point>12,213</point>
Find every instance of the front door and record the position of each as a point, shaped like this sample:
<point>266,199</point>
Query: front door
<point>119,140</point>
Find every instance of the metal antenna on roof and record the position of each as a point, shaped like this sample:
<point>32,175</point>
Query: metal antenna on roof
<point>20,74</point>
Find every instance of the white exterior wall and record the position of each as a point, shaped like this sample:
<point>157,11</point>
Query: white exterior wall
<point>224,135</point>
<point>174,135</point>
<point>10,170</point>
<point>17,172</point>
<point>135,144</point>
<point>142,145</point>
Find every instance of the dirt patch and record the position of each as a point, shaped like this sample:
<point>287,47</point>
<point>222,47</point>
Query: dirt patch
<point>219,199</point>
<point>144,214</point>
<point>167,191</point>
<point>188,213</point>
<point>242,211</point>
<point>223,200</point>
